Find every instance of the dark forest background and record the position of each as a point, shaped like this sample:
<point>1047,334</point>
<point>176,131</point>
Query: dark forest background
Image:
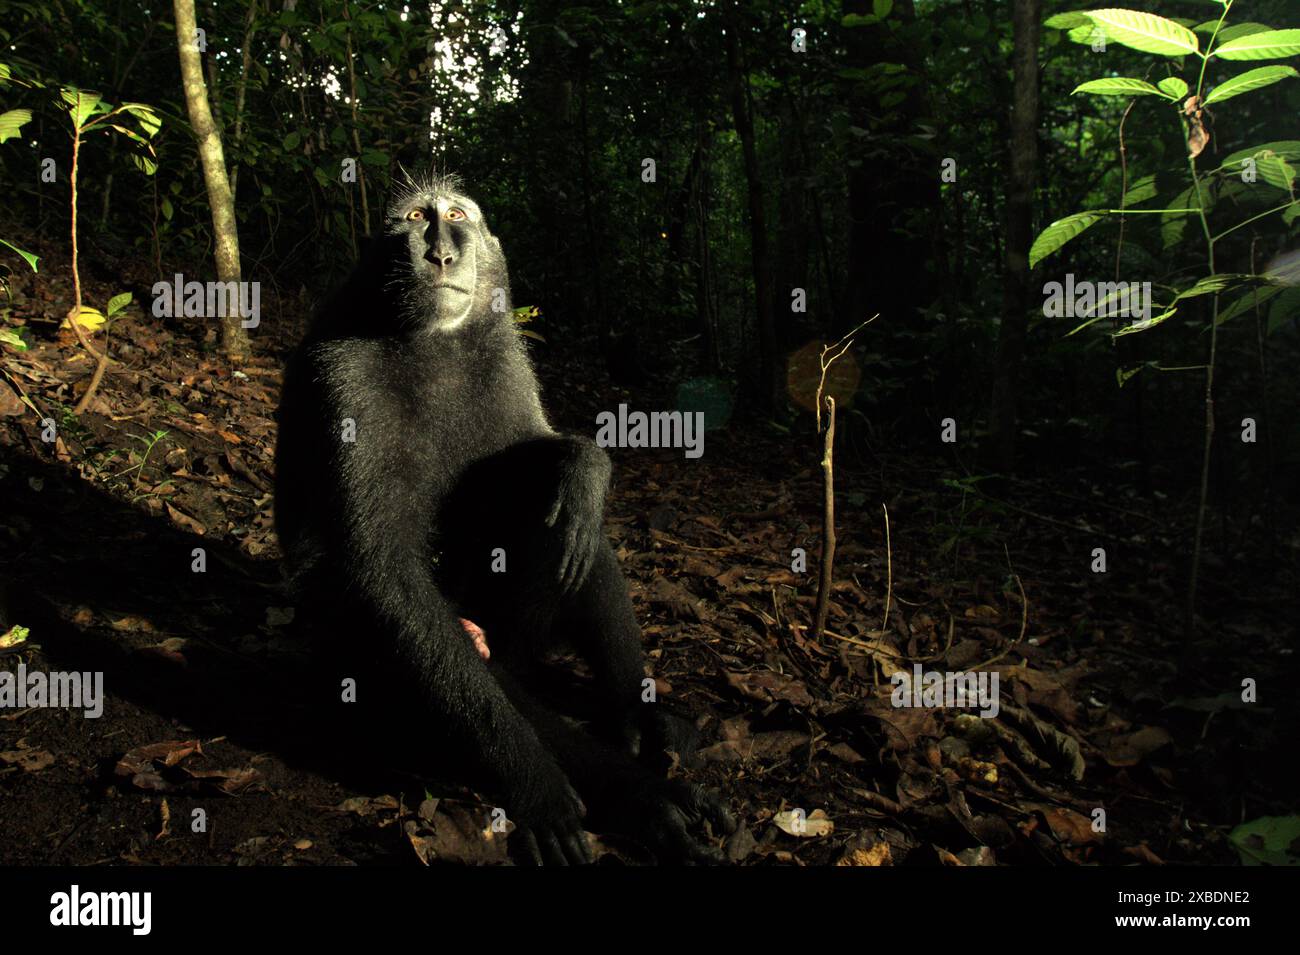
<point>775,170</point>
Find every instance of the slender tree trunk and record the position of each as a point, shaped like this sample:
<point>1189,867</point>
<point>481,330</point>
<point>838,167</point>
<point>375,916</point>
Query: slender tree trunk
<point>830,288</point>
<point>595,240</point>
<point>699,218</point>
<point>826,574</point>
<point>74,316</point>
<point>1025,16</point>
<point>356,136</point>
<point>547,111</point>
<point>892,221</point>
<point>234,341</point>
<point>767,387</point>
<point>241,89</point>
<point>792,227</point>
<point>107,197</point>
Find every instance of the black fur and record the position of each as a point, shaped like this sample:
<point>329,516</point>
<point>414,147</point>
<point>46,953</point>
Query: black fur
<point>389,538</point>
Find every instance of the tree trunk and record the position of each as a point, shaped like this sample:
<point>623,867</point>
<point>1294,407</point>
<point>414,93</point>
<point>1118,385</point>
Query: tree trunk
<point>234,340</point>
<point>1019,231</point>
<point>241,90</point>
<point>74,316</point>
<point>547,111</point>
<point>698,214</point>
<point>766,387</point>
<point>356,136</point>
<point>793,239</point>
<point>892,221</point>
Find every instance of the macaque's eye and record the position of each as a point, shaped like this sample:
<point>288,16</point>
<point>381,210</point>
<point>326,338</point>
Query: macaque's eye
<point>415,215</point>
<point>454,215</point>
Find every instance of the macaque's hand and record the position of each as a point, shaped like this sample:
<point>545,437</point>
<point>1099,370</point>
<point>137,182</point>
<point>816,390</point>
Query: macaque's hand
<point>576,517</point>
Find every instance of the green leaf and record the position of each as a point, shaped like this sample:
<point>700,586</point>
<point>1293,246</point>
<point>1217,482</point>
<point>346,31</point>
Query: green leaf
<point>859,20</point>
<point>1121,299</point>
<point>1274,163</point>
<point>1122,375</point>
<point>117,303</point>
<point>31,259</point>
<point>13,337</point>
<point>1117,86</point>
<point>292,140</point>
<point>1147,323</point>
<point>1286,307</point>
<point>1140,190</point>
<point>81,104</point>
<point>1174,224</point>
<point>145,115</point>
<point>1146,32</point>
<point>1173,87</point>
<point>1286,148</point>
<point>1213,283</point>
<point>1238,30</point>
<point>1067,21</point>
<point>1250,80</point>
<point>166,207</point>
<point>12,122</point>
<point>1085,33</point>
<point>1276,171</point>
<point>1267,45</point>
<point>1247,302</point>
<point>882,8</point>
<point>1060,232</point>
<point>144,164</point>
<point>1269,840</point>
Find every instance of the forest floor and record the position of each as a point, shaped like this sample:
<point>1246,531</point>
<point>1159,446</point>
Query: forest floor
<point>1100,707</point>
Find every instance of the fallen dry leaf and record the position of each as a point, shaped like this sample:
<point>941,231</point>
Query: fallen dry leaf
<point>28,760</point>
<point>169,753</point>
<point>769,686</point>
<point>793,822</point>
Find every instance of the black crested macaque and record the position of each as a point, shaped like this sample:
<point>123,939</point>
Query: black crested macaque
<point>425,505</point>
